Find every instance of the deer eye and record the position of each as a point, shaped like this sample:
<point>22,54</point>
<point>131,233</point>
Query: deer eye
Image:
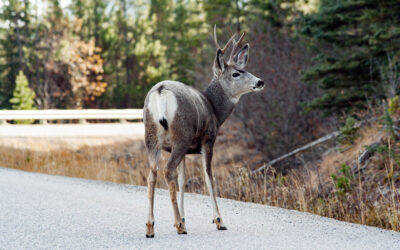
<point>235,74</point>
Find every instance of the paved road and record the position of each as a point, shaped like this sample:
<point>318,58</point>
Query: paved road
<point>51,212</point>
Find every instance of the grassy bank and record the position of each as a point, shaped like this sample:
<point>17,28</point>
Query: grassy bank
<point>334,187</point>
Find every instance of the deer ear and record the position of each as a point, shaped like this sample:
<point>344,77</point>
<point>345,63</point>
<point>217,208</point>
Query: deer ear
<point>242,56</point>
<point>219,63</point>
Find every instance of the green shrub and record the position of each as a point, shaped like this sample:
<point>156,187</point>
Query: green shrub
<point>377,148</point>
<point>349,132</point>
<point>342,183</point>
<point>393,106</point>
<point>387,122</point>
<point>23,97</point>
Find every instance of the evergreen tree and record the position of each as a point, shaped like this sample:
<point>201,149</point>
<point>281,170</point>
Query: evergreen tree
<point>15,32</point>
<point>274,12</point>
<point>144,43</point>
<point>224,13</point>
<point>135,57</point>
<point>354,38</point>
<point>23,97</point>
<point>92,14</point>
<point>182,35</point>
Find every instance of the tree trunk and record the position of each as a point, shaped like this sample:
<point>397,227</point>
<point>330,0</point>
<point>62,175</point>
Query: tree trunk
<point>237,16</point>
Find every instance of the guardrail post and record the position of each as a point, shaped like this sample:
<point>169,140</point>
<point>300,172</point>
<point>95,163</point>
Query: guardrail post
<point>122,121</point>
<point>3,122</point>
<point>83,121</point>
<point>44,122</point>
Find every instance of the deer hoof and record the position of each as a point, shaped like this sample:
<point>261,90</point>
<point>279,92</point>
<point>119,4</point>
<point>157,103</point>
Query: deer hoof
<point>220,224</point>
<point>222,228</point>
<point>180,228</point>
<point>150,230</point>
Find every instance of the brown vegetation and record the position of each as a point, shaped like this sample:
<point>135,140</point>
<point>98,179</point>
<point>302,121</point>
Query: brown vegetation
<point>371,197</point>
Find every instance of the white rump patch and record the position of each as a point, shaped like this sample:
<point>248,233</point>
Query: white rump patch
<point>162,105</point>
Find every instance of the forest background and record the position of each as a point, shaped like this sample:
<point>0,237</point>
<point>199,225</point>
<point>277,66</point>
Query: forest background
<point>328,65</point>
<point>322,60</point>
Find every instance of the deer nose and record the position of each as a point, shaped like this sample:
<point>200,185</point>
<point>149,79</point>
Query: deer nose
<point>260,84</point>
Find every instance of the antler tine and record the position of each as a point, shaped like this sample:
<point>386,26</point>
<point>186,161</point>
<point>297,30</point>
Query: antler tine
<point>227,44</point>
<point>235,45</point>
<point>216,42</point>
<point>215,37</point>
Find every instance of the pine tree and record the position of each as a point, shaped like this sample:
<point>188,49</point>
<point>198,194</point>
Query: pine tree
<point>274,12</point>
<point>224,13</point>
<point>135,57</point>
<point>23,96</point>
<point>92,14</point>
<point>159,40</point>
<point>354,38</point>
<point>182,36</point>
<point>15,33</point>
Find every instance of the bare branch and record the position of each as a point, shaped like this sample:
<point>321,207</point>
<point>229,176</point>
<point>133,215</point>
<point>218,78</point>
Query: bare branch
<point>316,142</point>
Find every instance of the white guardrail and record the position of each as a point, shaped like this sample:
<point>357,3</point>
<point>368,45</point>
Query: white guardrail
<point>71,114</point>
<point>117,125</point>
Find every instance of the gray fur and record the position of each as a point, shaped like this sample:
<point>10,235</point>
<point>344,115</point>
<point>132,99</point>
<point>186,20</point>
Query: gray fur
<point>220,101</point>
<point>194,126</point>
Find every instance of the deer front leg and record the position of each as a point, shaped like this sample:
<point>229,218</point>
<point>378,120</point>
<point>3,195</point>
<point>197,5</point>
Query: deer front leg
<point>206,155</point>
<point>181,182</point>
<point>171,179</point>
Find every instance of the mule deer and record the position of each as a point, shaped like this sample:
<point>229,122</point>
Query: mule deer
<point>182,120</point>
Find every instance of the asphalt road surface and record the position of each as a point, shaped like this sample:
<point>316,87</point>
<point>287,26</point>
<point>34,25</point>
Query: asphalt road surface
<point>40,211</point>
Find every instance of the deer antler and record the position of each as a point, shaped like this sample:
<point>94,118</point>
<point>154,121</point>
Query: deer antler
<point>235,45</point>
<point>216,42</point>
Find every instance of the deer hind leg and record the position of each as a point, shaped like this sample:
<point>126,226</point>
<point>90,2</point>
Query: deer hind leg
<point>151,183</point>
<point>206,155</point>
<point>171,179</point>
<point>181,182</point>
<point>152,139</point>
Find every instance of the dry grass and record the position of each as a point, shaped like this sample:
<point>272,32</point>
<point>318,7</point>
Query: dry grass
<point>373,198</point>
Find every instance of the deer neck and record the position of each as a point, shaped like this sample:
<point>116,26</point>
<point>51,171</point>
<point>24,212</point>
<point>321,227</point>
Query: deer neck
<point>220,100</point>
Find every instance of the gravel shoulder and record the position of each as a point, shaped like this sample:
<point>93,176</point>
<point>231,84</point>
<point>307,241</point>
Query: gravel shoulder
<point>48,212</point>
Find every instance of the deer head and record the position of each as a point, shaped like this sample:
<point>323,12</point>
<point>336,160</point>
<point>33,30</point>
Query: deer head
<point>232,76</point>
